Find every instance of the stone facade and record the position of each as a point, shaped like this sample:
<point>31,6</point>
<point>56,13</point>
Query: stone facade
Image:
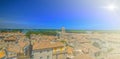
<point>42,54</point>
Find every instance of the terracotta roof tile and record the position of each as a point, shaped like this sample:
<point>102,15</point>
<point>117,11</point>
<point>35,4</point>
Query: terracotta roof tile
<point>46,44</point>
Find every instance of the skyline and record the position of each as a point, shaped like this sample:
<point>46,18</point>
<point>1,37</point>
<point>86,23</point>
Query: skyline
<point>54,14</point>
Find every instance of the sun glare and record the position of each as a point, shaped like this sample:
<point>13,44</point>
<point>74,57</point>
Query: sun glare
<point>112,7</point>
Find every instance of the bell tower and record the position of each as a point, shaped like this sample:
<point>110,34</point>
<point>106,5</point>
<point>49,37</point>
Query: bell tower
<point>63,30</point>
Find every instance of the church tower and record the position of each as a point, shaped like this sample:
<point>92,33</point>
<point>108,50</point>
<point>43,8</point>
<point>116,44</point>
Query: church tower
<point>63,30</point>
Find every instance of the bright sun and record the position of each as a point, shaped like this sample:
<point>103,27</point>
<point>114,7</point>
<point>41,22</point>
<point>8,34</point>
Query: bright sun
<point>111,7</point>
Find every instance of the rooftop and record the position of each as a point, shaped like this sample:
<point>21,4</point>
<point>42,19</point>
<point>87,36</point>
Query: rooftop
<point>46,44</point>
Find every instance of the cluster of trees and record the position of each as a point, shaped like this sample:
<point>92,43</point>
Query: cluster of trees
<point>41,33</point>
<point>11,30</point>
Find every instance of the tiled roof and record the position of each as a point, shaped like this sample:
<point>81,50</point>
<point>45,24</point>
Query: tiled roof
<point>46,44</point>
<point>17,48</point>
<point>69,50</point>
<point>22,44</point>
<point>88,46</point>
<point>14,48</point>
<point>10,38</point>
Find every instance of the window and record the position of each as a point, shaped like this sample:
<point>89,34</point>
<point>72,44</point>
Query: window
<point>41,57</point>
<point>40,51</point>
<point>47,50</point>
<point>48,57</point>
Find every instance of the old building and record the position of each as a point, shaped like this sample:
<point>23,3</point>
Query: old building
<point>16,50</point>
<point>2,53</point>
<point>11,39</point>
<point>48,50</point>
<point>59,51</point>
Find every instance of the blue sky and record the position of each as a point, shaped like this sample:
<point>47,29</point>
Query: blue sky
<point>54,14</point>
